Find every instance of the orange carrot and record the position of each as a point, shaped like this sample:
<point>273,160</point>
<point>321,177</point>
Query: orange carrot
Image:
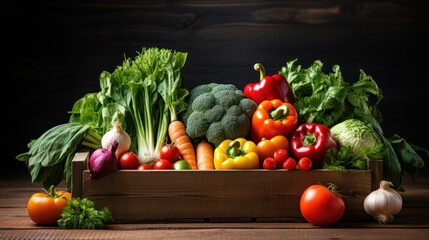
<point>204,153</point>
<point>177,134</point>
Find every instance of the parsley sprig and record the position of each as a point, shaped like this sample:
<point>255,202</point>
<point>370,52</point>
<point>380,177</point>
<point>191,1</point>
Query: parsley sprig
<point>80,213</point>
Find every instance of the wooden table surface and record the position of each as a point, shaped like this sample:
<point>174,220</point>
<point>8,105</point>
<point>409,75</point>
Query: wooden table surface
<point>411,223</point>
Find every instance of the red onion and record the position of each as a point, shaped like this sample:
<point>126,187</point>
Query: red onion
<point>103,161</point>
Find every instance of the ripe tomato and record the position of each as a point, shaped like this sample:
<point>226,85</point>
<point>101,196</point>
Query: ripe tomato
<point>162,164</point>
<point>289,164</point>
<point>144,166</point>
<point>280,155</point>
<point>269,163</point>
<point>169,152</point>
<point>45,208</point>
<point>267,147</point>
<point>129,160</point>
<point>321,206</point>
<point>305,163</point>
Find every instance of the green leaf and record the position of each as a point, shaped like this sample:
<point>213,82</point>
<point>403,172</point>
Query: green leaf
<point>326,97</point>
<point>407,155</point>
<point>48,154</point>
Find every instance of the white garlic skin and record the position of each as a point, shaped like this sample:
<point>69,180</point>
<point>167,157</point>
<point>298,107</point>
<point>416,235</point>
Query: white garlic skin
<point>383,203</point>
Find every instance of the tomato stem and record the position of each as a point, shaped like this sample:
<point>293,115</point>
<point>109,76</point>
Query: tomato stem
<point>333,188</point>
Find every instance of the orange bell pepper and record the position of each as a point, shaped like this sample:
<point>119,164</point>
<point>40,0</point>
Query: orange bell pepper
<point>272,118</point>
<point>267,147</point>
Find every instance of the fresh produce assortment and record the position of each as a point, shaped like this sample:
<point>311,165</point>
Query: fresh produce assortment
<point>299,119</point>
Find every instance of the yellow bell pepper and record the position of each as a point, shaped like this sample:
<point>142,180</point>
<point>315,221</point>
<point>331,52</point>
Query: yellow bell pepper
<point>236,154</point>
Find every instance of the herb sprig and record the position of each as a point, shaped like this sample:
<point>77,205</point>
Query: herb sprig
<point>80,213</point>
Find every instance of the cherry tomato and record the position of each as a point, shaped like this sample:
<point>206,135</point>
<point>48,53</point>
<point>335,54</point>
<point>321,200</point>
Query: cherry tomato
<point>162,164</point>
<point>267,147</point>
<point>144,166</point>
<point>289,164</point>
<point>305,163</point>
<point>169,152</point>
<point>129,160</point>
<point>45,208</point>
<point>321,206</point>
<point>280,155</point>
<point>269,163</point>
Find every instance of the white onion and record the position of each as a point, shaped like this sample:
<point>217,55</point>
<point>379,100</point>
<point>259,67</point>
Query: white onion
<point>118,134</point>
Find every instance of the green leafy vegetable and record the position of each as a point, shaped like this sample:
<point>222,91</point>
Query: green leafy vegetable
<point>407,154</point>
<point>364,143</point>
<point>328,98</point>
<point>144,94</point>
<point>80,213</point>
<point>49,156</point>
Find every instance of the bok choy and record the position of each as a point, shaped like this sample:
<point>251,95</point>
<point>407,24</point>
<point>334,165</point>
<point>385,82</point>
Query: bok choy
<point>138,94</point>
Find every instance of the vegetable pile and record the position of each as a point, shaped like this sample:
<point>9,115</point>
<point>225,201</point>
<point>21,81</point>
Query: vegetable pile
<point>328,99</point>
<point>144,118</point>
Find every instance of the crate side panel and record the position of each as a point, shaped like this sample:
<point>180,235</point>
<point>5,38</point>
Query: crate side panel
<point>173,194</point>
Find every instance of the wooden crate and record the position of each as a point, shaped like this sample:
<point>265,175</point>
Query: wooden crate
<point>217,195</point>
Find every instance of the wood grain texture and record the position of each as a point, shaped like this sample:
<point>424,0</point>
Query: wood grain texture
<point>219,195</point>
<point>412,221</point>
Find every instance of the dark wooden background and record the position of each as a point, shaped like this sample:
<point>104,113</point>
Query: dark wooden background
<point>53,51</point>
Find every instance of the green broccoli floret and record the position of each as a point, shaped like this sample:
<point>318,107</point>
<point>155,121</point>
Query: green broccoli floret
<point>236,126</point>
<point>234,110</point>
<point>248,106</point>
<point>216,133</point>
<point>218,112</point>
<point>200,124</point>
<point>197,91</point>
<point>215,114</point>
<point>204,102</point>
<point>226,98</point>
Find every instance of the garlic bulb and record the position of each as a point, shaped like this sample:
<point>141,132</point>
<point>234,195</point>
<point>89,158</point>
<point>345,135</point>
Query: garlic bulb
<point>118,134</point>
<point>383,203</point>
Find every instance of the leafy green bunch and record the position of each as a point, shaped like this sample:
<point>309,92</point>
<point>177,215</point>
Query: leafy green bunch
<point>144,94</point>
<point>328,99</point>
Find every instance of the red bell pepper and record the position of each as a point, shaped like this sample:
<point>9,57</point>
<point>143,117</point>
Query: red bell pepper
<point>272,118</point>
<point>269,88</point>
<point>312,140</point>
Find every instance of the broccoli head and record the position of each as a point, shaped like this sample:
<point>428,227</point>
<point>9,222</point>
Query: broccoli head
<point>217,112</point>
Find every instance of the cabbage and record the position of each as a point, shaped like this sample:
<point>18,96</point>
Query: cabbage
<point>358,135</point>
